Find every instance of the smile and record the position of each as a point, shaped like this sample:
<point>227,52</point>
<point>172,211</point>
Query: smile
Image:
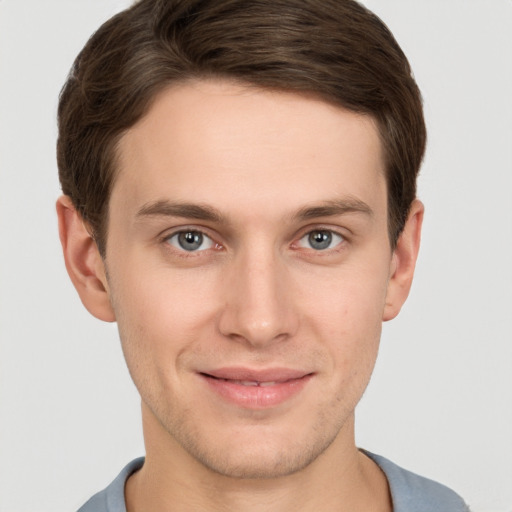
<point>251,389</point>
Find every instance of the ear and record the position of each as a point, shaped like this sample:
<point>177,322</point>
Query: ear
<point>84,263</point>
<point>403,262</point>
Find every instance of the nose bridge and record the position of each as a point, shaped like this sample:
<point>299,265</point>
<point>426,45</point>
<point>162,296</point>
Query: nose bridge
<point>258,306</point>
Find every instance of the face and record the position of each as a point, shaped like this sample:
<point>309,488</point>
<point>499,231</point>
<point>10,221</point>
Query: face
<point>248,267</point>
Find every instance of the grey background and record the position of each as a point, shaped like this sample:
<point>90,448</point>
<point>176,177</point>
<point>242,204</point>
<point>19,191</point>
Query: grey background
<point>441,398</point>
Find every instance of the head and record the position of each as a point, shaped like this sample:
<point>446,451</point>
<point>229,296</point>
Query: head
<point>240,198</point>
<point>337,51</point>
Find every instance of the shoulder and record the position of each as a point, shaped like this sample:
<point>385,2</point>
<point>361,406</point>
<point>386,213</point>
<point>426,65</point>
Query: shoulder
<point>111,499</point>
<point>413,493</point>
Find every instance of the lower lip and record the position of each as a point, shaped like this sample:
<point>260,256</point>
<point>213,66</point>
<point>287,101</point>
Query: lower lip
<point>256,397</point>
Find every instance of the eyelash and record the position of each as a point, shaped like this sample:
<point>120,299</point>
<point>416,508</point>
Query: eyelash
<point>195,231</point>
<point>296,245</point>
<point>332,236</point>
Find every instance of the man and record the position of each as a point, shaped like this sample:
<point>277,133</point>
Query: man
<point>239,196</point>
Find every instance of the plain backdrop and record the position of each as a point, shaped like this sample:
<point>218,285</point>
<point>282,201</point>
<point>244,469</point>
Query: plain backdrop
<point>440,402</point>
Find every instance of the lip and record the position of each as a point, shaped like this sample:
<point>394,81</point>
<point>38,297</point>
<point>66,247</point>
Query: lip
<point>256,388</point>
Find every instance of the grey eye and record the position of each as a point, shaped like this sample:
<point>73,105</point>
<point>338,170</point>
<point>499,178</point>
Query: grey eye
<point>320,239</point>
<point>190,241</point>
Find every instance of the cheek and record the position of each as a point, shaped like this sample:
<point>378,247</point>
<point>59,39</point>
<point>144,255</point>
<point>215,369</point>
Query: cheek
<point>159,321</point>
<point>162,315</point>
<point>349,303</point>
<point>348,319</point>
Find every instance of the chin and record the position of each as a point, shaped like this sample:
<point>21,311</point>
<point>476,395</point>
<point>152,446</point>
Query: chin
<point>260,463</point>
<point>258,453</point>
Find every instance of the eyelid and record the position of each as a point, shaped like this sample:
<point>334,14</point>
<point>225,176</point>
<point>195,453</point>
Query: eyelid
<point>205,241</point>
<point>336,239</point>
<point>167,234</point>
<point>345,233</point>
<point>184,228</point>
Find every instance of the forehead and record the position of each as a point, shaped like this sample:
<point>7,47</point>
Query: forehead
<point>244,147</point>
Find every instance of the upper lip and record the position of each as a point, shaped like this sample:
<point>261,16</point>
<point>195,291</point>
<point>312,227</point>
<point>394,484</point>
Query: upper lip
<point>256,375</point>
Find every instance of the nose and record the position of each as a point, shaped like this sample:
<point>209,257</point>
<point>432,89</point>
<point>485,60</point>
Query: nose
<point>259,308</point>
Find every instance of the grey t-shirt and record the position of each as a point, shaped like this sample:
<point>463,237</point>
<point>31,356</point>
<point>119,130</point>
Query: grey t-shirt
<point>409,492</point>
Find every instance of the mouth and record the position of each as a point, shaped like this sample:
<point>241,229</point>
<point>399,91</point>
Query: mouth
<point>248,382</point>
<point>256,389</point>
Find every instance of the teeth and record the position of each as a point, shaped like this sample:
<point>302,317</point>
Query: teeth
<point>255,383</point>
<point>248,382</point>
<point>252,382</point>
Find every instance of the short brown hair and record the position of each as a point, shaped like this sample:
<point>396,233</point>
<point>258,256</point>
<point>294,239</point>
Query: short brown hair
<point>335,49</point>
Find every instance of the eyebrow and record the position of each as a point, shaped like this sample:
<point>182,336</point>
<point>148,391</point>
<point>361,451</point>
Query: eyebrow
<point>333,208</point>
<point>165,208</point>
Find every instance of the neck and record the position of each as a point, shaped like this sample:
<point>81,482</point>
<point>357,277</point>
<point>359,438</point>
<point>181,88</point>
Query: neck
<point>341,479</point>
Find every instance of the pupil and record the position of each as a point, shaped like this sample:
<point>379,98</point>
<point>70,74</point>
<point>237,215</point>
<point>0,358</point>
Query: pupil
<point>320,239</point>
<point>190,240</point>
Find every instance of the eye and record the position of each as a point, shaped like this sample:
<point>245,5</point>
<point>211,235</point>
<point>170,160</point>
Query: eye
<point>320,240</point>
<point>190,241</point>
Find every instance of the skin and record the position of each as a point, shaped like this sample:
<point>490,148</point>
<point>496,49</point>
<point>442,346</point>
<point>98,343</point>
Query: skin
<point>267,169</point>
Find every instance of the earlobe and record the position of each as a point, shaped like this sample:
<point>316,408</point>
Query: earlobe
<point>84,263</point>
<point>403,262</point>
